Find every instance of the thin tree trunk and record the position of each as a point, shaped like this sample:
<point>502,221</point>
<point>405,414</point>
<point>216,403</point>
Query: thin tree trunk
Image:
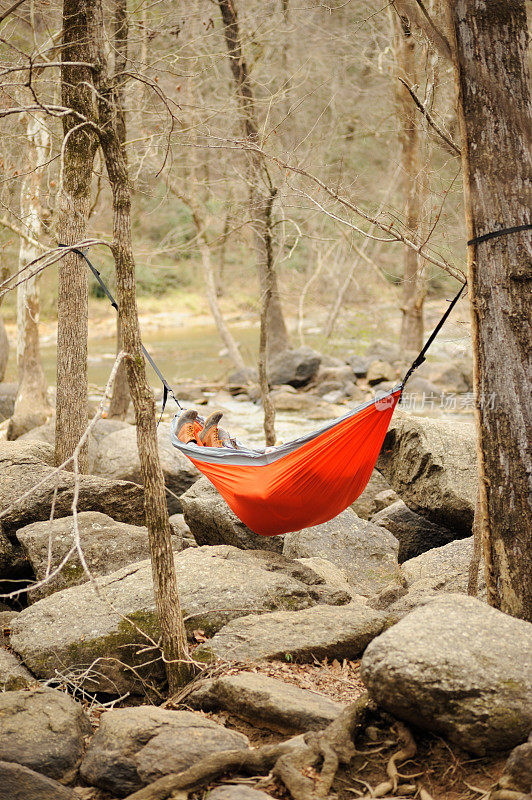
<point>494,108</point>
<point>277,334</point>
<point>120,400</point>
<point>31,405</point>
<point>4,341</point>
<point>162,558</point>
<point>413,287</point>
<point>79,148</point>
<point>220,273</point>
<point>267,404</point>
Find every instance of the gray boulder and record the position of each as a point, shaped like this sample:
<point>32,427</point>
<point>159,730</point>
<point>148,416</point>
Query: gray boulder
<point>414,533</point>
<point>135,746</point>
<point>8,392</point>
<point>13,563</point>
<point>101,429</point>
<point>457,667</point>
<point>107,545</point>
<point>442,569</point>
<point>383,351</point>
<point>118,459</point>
<point>13,675</point>
<point>319,632</point>
<point>364,506</point>
<point>43,729</point>
<point>211,521</point>
<point>20,783</point>
<point>432,465</point>
<point>331,574</point>
<point>73,628</point>
<point>517,774</point>
<point>182,532</point>
<point>279,705</point>
<point>25,464</point>
<point>380,371</point>
<point>237,792</point>
<point>294,367</point>
<point>365,552</point>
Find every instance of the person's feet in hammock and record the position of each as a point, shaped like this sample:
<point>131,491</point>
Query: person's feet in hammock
<point>185,427</point>
<point>212,435</point>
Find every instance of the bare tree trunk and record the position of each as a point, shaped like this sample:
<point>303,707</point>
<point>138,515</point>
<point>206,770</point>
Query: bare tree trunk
<point>413,287</point>
<point>120,400</point>
<point>4,341</point>
<point>267,404</point>
<point>31,405</point>
<point>220,273</point>
<point>277,334</point>
<point>164,575</point>
<point>494,108</point>
<point>79,147</point>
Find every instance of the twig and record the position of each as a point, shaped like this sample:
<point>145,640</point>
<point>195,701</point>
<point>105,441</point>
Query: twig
<point>447,139</point>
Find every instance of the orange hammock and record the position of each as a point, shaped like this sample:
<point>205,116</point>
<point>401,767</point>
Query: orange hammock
<point>304,482</point>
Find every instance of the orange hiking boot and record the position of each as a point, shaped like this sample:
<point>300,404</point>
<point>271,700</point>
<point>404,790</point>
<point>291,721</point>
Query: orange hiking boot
<point>185,427</point>
<point>210,435</point>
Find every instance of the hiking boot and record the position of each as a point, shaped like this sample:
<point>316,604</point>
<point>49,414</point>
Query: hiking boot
<point>210,435</point>
<point>185,427</point>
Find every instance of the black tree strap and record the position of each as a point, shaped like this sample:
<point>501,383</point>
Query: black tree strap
<point>421,357</point>
<point>167,389</point>
<point>501,232</point>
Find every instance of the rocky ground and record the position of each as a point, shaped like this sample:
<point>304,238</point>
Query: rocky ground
<point>288,634</point>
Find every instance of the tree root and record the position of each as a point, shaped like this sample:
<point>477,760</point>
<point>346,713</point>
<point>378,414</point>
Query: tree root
<point>293,761</point>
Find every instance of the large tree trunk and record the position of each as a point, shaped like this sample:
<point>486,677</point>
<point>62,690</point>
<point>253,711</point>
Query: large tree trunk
<point>260,192</point>
<point>31,405</point>
<point>74,201</point>
<point>162,558</point>
<point>413,288</point>
<point>494,110</point>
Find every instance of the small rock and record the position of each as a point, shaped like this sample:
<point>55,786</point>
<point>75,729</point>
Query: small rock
<point>432,465</point>
<point>365,552</point>
<point>323,631</point>
<point>365,503</point>
<point>294,367</point>
<point>211,521</point>
<point>457,667</point>
<point>107,546</point>
<point>135,746</point>
<point>8,394</point>
<point>414,533</point>
<point>20,783</point>
<point>43,729</point>
<point>380,371</point>
<point>237,792</point>
<point>383,351</point>
<point>383,500</point>
<point>331,574</point>
<point>182,532</point>
<point>266,701</point>
<point>517,774</point>
<point>118,459</point>
<point>359,366</point>
<point>13,675</point>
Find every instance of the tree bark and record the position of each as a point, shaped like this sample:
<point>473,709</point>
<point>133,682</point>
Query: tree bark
<point>164,575</point>
<point>31,405</point>
<point>79,148</point>
<point>277,335</point>
<point>120,400</point>
<point>4,341</point>
<point>413,288</point>
<point>267,403</point>
<point>489,43</point>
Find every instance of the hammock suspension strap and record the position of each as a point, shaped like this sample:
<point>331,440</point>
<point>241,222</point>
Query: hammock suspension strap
<point>167,389</point>
<point>421,357</point>
<point>501,232</point>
